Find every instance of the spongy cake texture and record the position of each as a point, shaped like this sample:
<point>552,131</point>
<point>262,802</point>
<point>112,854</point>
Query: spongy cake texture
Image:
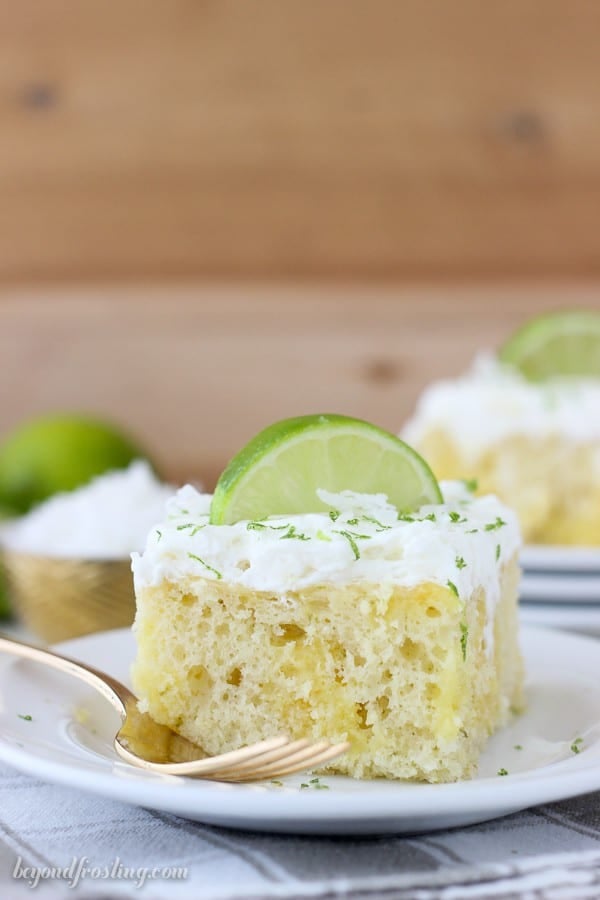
<point>414,672</point>
<point>552,483</point>
<point>403,674</point>
<point>536,445</point>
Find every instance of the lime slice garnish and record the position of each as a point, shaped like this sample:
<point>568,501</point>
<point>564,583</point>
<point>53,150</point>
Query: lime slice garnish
<point>564,343</point>
<point>279,471</point>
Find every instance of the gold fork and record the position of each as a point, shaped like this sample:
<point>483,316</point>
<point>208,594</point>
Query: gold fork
<point>143,742</point>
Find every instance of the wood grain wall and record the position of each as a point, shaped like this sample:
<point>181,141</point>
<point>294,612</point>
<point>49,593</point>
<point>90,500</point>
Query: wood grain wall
<point>195,372</point>
<point>391,138</point>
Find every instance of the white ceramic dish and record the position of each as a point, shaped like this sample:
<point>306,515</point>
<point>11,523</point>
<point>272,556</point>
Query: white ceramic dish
<point>584,619</point>
<point>546,558</point>
<point>558,588</point>
<point>68,740</point>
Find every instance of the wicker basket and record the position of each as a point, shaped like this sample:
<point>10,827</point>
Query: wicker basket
<point>58,599</point>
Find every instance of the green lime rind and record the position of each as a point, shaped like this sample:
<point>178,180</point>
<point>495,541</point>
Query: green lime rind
<point>58,453</point>
<point>279,471</point>
<point>557,344</point>
<point>5,609</point>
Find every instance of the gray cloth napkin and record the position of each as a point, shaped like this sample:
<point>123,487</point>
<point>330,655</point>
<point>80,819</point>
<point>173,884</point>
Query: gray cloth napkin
<point>105,849</point>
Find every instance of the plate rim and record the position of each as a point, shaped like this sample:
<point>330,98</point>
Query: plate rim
<point>572,559</point>
<point>564,778</point>
<point>560,587</point>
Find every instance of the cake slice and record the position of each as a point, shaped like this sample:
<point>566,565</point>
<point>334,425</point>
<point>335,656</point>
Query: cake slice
<point>526,424</point>
<point>394,631</point>
<point>535,445</point>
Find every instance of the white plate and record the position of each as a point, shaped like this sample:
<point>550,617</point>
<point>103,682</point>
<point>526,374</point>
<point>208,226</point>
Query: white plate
<point>557,588</point>
<point>584,619</point>
<point>546,558</point>
<point>563,690</point>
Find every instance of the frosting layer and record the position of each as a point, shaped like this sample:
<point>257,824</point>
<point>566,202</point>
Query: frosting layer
<point>461,543</point>
<point>491,403</point>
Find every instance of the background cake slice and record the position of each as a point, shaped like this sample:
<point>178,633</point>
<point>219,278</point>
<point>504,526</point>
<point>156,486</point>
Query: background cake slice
<point>526,425</point>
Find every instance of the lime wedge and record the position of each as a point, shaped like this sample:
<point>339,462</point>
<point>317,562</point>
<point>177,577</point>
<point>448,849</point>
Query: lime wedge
<point>564,343</point>
<point>279,471</point>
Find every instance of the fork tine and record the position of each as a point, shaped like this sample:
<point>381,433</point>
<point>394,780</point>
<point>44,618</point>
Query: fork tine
<point>309,758</point>
<point>330,752</point>
<point>297,755</point>
<point>209,765</point>
<point>277,756</point>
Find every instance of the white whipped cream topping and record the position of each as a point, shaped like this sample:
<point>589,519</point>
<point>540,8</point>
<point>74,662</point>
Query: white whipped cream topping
<point>463,541</point>
<point>492,402</point>
<point>105,519</point>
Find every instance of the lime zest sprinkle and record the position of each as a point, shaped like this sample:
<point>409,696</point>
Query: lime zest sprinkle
<point>314,783</point>
<point>492,526</point>
<point>374,521</point>
<point>322,536</point>
<point>464,637</point>
<point>159,533</point>
<point>205,564</point>
<point>452,587</point>
<point>576,745</point>
<point>497,552</point>
<point>405,517</point>
<point>456,518</point>
<point>502,771</point>
<point>29,718</point>
<point>260,526</point>
<point>518,746</point>
<point>471,484</point>
<point>460,563</point>
<point>318,784</point>
<point>195,528</point>
<point>430,517</point>
<point>276,782</point>
<point>472,531</point>
<point>334,514</point>
<point>292,533</point>
<point>349,537</point>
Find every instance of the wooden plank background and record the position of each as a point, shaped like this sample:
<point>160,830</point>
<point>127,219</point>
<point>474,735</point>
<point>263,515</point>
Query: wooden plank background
<point>195,372</point>
<point>394,139</point>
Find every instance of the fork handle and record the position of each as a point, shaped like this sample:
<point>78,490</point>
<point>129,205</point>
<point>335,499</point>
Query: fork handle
<point>115,692</point>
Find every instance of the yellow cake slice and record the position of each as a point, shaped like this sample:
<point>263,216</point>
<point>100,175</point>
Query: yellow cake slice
<point>536,445</point>
<point>396,633</point>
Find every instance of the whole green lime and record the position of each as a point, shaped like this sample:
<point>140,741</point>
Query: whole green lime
<point>58,453</point>
<point>4,604</point>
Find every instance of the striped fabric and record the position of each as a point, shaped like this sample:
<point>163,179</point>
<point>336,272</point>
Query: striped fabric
<point>547,853</point>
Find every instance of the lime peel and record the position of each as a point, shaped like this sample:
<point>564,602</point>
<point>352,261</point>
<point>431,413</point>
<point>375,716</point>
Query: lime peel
<point>280,470</point>
<point>60,452</point>
<point>557,344</point>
